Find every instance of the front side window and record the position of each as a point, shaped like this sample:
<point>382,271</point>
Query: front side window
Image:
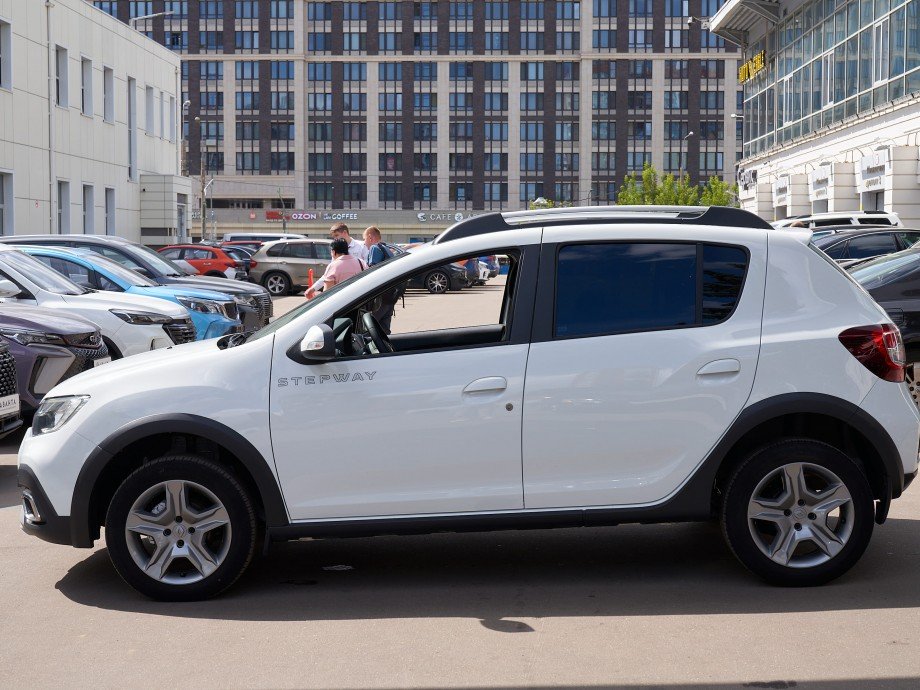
<point>871,245</point>
<point>620,287</point>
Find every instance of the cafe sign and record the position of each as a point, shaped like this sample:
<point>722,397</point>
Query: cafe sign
<point>750,69</point>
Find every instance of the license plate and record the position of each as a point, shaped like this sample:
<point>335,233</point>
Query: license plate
<point>9,405</point>
<point>102,360</point>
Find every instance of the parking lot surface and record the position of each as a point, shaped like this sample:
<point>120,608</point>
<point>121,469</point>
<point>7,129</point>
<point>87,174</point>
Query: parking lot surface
<point>662,605</point>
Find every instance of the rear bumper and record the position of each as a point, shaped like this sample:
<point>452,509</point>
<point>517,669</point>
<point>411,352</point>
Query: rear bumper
<point>37,516</point>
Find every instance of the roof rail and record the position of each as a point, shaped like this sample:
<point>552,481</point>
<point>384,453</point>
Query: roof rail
<point>583,215</point>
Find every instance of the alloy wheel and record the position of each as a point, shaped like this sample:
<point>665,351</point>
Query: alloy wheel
<point>276,284</point>
<point>178,532</point>
<point>437,283</point>
<point>801,515</point>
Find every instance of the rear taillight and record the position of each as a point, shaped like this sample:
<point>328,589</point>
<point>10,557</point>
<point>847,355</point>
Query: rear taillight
<point>238,264</point>
<point>252,264</point>
<point>879,348</point>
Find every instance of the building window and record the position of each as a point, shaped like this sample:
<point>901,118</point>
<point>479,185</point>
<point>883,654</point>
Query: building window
<point>460,42</point>
<point>282,100</point>
<point>248,100</point>
<point>532,10</point>
<point>675,100</point>
<point>355,102</point>
<point>604,38</point>
<point>247,9</point>
<point>6,204</point>
<point>496,71</point>
<point>89,210</point>
<point>676,38</point>
<point>387,41</point>
<point>282,131</point>
<point>176,40</point>
<point>108,6</point>
<point>531,71</point>
<point>390,71</point>
<point>567,162</point>
<point>568,40</point>
<point>530,191</point>
<point>247,161</point>
<point>140,8</point>
<point>531,131</point>
<point>603,130</point>
<point>461,11</point>
<point>604,69</point>
<point>531,101</point>
<point>353,71</point>
<point>172,118</point>
<point>6,56</point>
<point>211,9</point>
<point>426,71</point>
<point>354,42</point>
<point>495,191</point>
<point>63,209</point>
<point>179,9</point>
<point>425,41</point>
<point>247,40</point>
<point>604,100</point>
<point>425,191</point>
<point>389,102</point>
<point>132,129</point>
<point>212,131</point>
<point>60,77</point>
<point>319,11</point>
<point>675,130</point>
<point>109,211</point>
<point>319,191</point>
<point>281,40</point>
<point>148,110</point>
<point>530,40</point>
<point>425,101</point>
<point>678,8</point>
<point>354,191</point>
<point>282,161</point>
<point>282,70</point>
<point>282,9</point>
<point>211,70</point>
<point>460,131</point>
<point>495,101</point>
<point>211,40</point>
<point>86,87</point>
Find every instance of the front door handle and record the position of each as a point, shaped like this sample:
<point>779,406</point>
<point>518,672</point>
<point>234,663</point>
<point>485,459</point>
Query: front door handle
<point>489,384</point>
<point>720,366</point>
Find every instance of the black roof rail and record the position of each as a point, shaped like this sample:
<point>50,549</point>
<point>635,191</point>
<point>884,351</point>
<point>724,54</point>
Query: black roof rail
<point>724,216</point>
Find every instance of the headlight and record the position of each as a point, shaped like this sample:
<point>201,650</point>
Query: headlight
<point>25,336</point>
<point>205,306</point>
<point>246,301</point>
<point>141,318</point>
<point>53,413</point>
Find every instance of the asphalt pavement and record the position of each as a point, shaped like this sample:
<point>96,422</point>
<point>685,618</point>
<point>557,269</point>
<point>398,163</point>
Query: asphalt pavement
<point>630,606</point>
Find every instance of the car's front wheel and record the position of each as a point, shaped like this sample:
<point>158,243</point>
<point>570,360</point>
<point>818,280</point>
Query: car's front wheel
<point>437,282</point>
<point>180,528</point>
<point>798,513</point>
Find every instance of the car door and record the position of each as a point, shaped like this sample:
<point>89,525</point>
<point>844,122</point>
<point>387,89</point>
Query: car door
<point>299,258</point>
<point>642,358</point>
<point>434,427</point>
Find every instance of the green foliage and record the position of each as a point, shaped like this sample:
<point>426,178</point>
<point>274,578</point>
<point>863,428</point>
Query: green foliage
<point>652,189</point>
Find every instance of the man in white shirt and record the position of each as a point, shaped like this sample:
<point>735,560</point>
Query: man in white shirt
<point>356,249</point>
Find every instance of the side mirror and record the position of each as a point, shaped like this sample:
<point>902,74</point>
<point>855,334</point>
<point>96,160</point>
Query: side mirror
<point>318,344</point>
<point>8,288</point>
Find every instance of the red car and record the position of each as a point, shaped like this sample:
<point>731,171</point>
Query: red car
<point>208,259</point>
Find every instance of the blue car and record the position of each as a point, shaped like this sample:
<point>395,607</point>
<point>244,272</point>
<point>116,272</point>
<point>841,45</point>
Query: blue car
<point>213,313</point>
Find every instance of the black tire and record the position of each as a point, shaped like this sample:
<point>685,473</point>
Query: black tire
<point>217,480</point>
<point>114,352</point>
<point>760,465</point>
<point>437,282</point>
<point>277,283</point>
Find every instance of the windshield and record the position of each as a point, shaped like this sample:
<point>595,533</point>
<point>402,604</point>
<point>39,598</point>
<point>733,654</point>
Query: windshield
<point>39,274</point>
<point>160,263</point>
<point>886,269</point>
<point>297,312</point>
<point>116,269</point>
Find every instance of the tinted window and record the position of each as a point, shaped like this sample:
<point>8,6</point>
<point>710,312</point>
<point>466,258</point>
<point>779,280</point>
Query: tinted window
<point>196,254</point>
<point>275,250</point>
<point>835,251</point>
<point>723,275</point>
<point>909,239</point>
<point>323,251</point>
<point>827,222</point>
<point>874,220</point>
<point>871,245</point>
<point>299,251</point>
<point>171,253</point>
<point>619,287</point>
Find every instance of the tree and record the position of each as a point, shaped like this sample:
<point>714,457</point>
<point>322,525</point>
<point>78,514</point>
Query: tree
<point>652,189</point>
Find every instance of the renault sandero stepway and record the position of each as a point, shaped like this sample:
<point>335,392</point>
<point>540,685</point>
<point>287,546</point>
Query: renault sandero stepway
<point>680,364</point>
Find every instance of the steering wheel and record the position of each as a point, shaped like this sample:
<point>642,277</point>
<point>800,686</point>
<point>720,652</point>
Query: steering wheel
<point>375,331</point>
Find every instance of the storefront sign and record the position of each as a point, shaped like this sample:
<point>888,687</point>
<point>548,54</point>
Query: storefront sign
<point>747,178</point>
<point>872,171</point>
<point>368,217</point>
<point>781,191</point>
<point>820,180</point>
<point>750,69</point>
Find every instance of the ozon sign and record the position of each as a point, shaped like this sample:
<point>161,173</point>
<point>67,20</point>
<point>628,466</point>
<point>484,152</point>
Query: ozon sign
<point>278,216</point>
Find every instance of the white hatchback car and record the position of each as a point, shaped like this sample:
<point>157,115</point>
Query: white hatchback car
<point>129,324</point>
<point>675,370</point>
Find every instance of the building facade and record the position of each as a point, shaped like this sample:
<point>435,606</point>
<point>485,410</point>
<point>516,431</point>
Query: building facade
<point>443,106</point>
<point>89,138</point>
<point>831,107</point>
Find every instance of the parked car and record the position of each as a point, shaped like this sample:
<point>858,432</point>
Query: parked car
<point>129,324</point>
<point>241,254</point>
<point>250,245</point>
<point>285,265</point>
<point>439,279</point>
<point>849,246</point>
<point>894,282</point>
<point>261,236</point>
<point>213,313</point>
<point>817,220</point>
<point>207,260</point>
<point>705,368</point>
<point>10,404</point>
<point>254,302</point>
<point>492,265</point>
<point>48,346</point>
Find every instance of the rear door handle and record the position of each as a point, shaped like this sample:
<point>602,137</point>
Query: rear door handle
<point>720,366</point>
<point>489,384</point>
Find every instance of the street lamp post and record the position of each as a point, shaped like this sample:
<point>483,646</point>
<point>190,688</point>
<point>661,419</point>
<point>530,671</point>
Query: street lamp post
<point>683,139</point>
<point>134,20</point>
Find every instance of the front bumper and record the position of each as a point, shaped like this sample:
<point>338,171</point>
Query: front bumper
<point>37,516</point>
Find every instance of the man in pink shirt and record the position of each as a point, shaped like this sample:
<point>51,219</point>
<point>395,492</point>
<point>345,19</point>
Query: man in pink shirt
<point>342,267</point>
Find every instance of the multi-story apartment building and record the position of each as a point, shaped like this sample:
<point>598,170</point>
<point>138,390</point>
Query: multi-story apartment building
<point>403,112</point>
<point>89,138</point>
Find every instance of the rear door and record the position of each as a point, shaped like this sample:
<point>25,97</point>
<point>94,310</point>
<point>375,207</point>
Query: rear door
<point>644,353</point>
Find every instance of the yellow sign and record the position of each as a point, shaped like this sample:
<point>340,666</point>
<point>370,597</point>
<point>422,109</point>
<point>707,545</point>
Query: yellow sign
<point>752,67</point>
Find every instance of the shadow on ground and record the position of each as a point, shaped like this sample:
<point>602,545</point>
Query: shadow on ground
<point>500,577</point>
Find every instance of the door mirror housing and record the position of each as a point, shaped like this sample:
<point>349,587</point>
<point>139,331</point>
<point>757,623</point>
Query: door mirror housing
<point>318,345</point>
<point>8,288</point>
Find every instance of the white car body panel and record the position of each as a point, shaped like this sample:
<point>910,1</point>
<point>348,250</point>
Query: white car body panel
<point>634,405</point>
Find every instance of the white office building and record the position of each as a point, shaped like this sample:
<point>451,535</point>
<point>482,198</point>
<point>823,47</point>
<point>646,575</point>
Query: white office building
<point>831,108</point>
<point>89,125</point>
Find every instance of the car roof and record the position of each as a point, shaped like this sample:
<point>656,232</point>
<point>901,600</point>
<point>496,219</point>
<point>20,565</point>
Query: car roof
<point>302,240</point>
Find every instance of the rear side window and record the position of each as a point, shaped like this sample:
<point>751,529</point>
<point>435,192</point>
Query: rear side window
<point>871,245</point>
<point>299,251</point>
<point>604,289</point>
<point>322,251</point>
<point>874,220</point>
<point>275,250</point>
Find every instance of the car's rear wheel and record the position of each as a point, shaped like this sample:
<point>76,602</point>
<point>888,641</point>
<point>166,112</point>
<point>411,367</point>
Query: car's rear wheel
<point>913,384</point>
<point>437,282</point>
<point>277,283</point>
<point>798,513</point>
<point>180,528</point>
